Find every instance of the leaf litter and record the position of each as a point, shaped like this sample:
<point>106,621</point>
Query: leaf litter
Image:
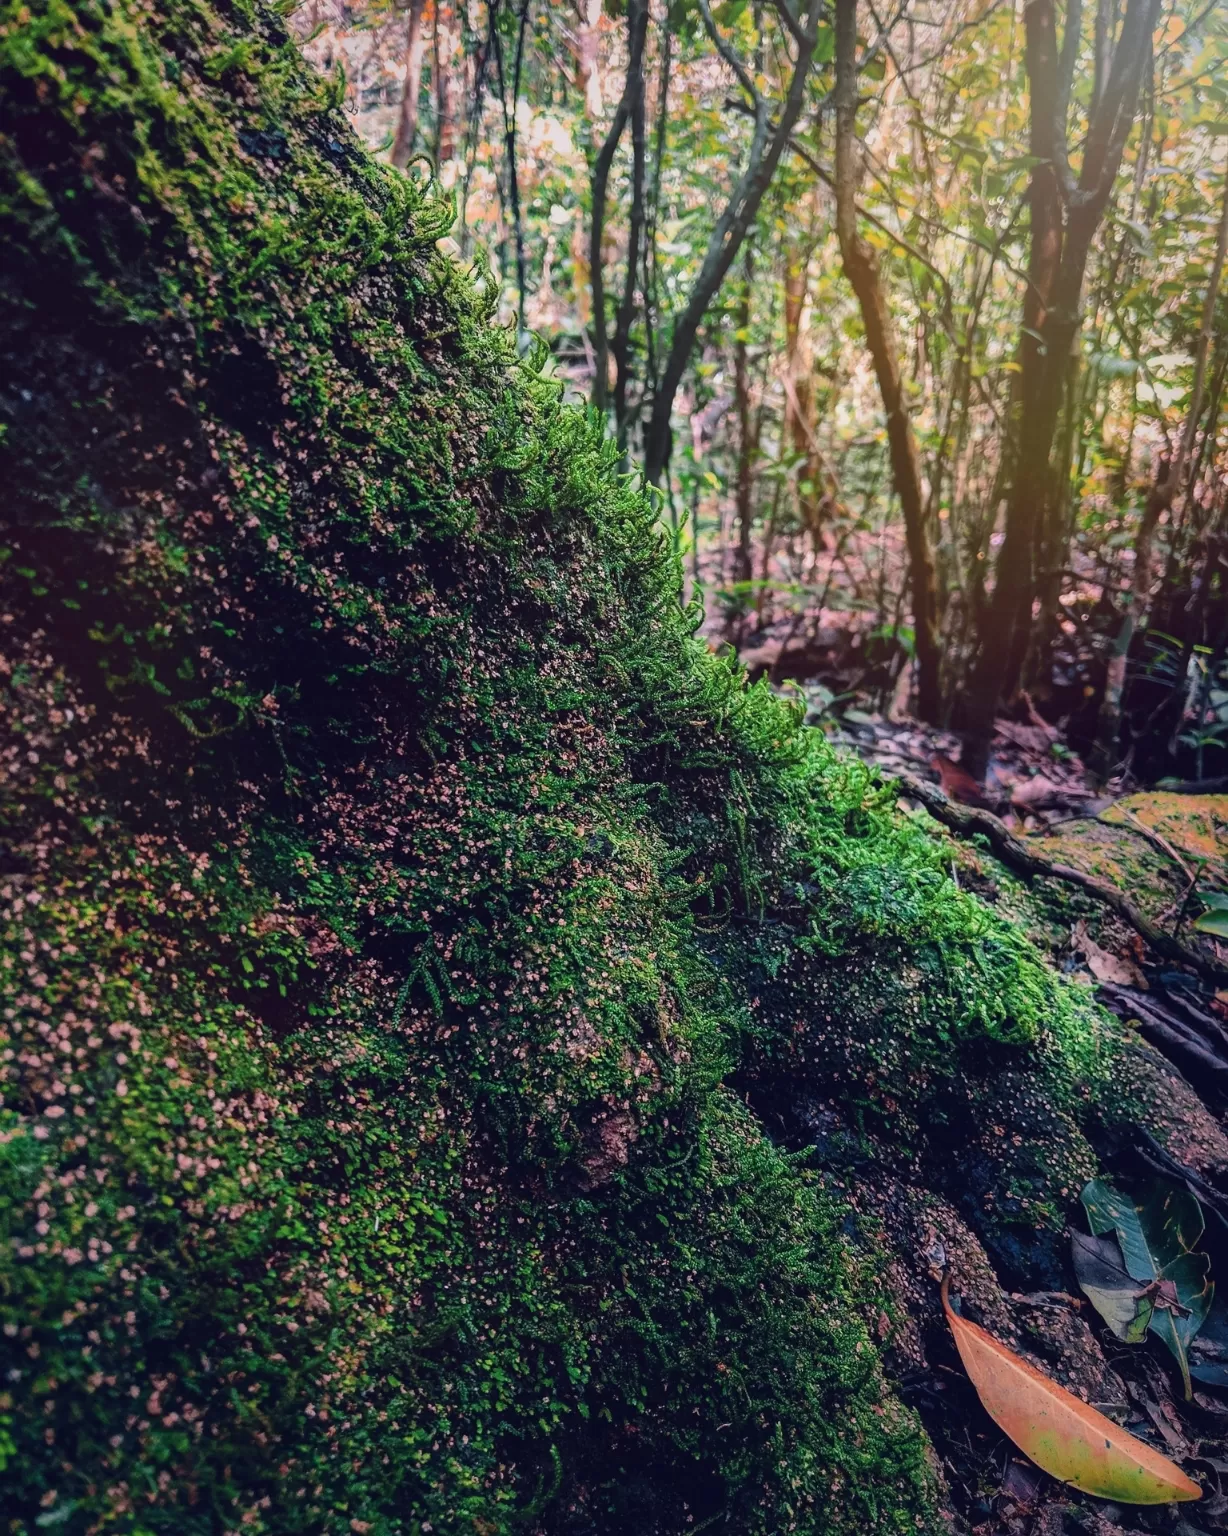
<point>1157,1234</point>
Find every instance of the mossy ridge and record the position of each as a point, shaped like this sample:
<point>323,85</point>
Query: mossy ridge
<point>388,819</point>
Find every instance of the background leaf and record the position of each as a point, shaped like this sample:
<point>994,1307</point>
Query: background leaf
<point>1157,1234</point>
<point>1109,1287</point>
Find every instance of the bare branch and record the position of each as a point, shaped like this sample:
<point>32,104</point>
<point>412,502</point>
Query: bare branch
<point>731,58</point>
<point>785,11</point>
<point>1061,105</point>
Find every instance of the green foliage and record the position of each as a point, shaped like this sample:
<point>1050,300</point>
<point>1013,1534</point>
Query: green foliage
<point>1158,1233</point>
<point>394,883</point>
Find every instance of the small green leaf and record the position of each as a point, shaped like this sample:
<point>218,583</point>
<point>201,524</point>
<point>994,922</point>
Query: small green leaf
<point>1157,1233</point>
<point>1106,1283</point>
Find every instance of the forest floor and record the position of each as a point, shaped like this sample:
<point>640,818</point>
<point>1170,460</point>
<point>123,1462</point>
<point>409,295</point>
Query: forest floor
<point>1165,850</point>
<point>1159,847</point>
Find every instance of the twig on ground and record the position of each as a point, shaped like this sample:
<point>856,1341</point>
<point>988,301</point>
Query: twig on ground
<point>1179,1041</point>
<point>1156,841</point>
<point>1056,1301</point>
<point>1195,787</point>
<point>1178,909</point>
<point>1014,852</point>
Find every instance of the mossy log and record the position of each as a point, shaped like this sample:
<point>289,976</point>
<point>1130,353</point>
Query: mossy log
<point>470,1063</point>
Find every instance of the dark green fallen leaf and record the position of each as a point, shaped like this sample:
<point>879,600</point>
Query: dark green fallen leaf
<point>1211,1373</point>
<point>1214,922</point>
<point>1157,1233</point>
<point>1110,1288</point>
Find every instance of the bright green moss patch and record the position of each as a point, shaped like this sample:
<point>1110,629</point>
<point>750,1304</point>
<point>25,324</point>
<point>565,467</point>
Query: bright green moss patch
<point>394,887</point>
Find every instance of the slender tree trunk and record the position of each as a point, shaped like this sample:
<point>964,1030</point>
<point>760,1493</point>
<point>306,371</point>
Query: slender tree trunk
<point>1038,402</point>
<point>799,423</point>
<point>1103,38</point>
<point>1065,216</point>
<point>1166,486</point>
<point>742,569</point>
<point>513,173</point>
<point>447,113</point>
<point>586,49</point>
<point>477,97</point>
<point>861,268</point>
<point>637,22</point>
<point>652,287</point>
<point>1054,529</point>
<point>736,218</point>
<point>407,118</point>
<point>763,600</point>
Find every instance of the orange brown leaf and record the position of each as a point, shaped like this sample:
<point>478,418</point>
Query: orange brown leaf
<point>1063,1436</point>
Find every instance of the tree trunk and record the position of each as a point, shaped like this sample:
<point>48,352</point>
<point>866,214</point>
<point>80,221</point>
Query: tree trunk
<point>407,118</point>
<point>509,153</point>
<point>744,495</point>
<point>447,105</point>
<point>1167,485</point>
<point>731,228</point>
<point>1065,216</point>
<point>586,50</point>
<point>799,423</point>
<point>1054,530</point>
<point>637,26</point>
<point>861,269</point>
<point>1036,404</point>
<point>652,287</point>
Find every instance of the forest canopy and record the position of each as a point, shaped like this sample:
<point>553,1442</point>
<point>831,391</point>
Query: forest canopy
<point>976,420</point>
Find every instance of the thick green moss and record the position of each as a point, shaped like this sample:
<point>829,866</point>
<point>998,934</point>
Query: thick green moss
<point>395,886</point>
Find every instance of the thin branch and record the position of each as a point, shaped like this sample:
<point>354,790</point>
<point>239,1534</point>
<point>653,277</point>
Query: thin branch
<point>731,58</point>
<point>993,249</point>
<point>785,11</point>
<point>965,822</point>
<point>828,180</point>
<point>926,60</point>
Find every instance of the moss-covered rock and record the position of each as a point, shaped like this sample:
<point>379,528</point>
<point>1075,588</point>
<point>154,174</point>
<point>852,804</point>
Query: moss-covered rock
<point>406,920</point>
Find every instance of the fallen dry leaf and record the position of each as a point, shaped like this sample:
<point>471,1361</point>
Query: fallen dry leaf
<point>1061,1434</point>
<point>1041,790</point>
<point>958,784</point>
<point>1030,738</point>
<point>1104,965</point>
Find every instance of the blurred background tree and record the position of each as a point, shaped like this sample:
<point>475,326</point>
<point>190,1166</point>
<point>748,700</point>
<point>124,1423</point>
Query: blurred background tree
<point>922,337</point>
